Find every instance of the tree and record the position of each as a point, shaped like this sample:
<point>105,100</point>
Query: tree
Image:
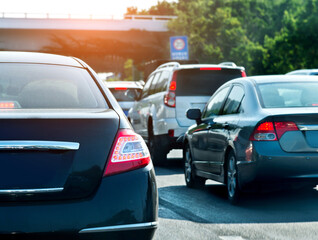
<point>265,36</point>
<point>162,8</point>
<point>132,11</point>
<point>216,33</point>
<point>295,45</point>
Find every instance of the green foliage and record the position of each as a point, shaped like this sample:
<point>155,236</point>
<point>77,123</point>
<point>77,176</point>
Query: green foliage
<point>295,45</point>
<point>131,73</point>
<point>162,8</point>
<point>265,36</point>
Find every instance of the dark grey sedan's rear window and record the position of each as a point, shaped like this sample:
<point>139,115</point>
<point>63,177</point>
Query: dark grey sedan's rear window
<point>196,82</point>
<point>47,86</point>
<point>289,94</point>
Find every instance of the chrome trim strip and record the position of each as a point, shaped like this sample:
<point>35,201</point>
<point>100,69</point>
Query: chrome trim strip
<point>137,226</point>
<point>34,190</point>
<point>38,145</point>
<point>308,127</point>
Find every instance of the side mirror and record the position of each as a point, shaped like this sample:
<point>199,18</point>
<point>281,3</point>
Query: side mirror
<point>194,114</point>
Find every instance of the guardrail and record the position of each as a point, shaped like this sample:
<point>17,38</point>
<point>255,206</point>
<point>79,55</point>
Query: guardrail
<point>83,16</point>
<point>149,17</point>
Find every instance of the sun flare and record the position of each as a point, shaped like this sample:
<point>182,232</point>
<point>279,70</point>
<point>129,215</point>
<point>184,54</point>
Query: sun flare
<point>95,8</point>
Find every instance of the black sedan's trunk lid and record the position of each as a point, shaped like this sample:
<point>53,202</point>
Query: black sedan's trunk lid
<point>51,155</point>
<point>306,138</point>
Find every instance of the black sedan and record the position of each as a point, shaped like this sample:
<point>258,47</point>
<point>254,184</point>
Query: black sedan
<point>70,164</point>
<point>255,133</point>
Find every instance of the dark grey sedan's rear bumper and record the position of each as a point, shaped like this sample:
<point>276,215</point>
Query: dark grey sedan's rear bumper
<point>274,168</point>
<point>124,206</point>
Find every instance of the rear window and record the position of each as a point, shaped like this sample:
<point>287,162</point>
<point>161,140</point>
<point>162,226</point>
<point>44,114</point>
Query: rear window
<point>291,94</point>
<point>47,86</point>
<point>125,95</point>
<point>196,82</point>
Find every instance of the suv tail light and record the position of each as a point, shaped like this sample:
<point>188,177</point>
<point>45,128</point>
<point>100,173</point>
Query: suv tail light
<point>170,97</point>
<point>128,153</point>
<point>243,73</point>
<point>272,131</point>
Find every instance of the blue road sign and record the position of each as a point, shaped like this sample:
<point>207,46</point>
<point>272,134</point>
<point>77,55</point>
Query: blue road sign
<point>179,48</point>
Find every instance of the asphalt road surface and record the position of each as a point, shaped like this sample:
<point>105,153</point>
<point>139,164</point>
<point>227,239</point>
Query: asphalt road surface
<point>206,214</point>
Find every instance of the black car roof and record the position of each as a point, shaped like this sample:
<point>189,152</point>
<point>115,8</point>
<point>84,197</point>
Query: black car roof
<point>33,57</point>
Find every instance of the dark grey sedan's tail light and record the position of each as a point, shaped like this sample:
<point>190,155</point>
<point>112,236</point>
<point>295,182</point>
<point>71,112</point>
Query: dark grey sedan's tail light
<point>129,152</point>
<point>272,131</point>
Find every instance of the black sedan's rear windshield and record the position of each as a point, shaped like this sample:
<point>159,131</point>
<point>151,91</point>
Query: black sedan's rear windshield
<point>289,94</point>
<point>47,86</point>
<point>196,82</point>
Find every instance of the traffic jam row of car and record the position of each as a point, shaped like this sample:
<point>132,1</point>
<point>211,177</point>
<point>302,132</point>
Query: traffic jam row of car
<point>253,133</point>
<point>73,166</point>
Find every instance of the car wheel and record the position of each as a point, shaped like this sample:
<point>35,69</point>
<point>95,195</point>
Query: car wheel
<point>158,155</point>
<point>192,181</point>
<point>233,190</point>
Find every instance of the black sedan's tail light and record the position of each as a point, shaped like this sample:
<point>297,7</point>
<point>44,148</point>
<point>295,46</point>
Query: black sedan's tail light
<point>129,152</point>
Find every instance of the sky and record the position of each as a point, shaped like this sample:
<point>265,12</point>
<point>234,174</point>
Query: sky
<point>114,8</point>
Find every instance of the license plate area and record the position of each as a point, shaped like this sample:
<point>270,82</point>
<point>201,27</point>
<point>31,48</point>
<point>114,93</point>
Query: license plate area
<point>34,169</point>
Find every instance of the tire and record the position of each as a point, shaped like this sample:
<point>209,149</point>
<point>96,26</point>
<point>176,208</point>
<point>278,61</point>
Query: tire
<point>233,191</point>
<point>157,153</point>
<point>192,181</point>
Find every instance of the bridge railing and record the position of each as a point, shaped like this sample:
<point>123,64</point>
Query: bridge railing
<point>149,17</point>
<point>83,16</point>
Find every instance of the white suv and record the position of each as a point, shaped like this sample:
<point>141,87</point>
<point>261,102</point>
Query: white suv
<point>160,113</point>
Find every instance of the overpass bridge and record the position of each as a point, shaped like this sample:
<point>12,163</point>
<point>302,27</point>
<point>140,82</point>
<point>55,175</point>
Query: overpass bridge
<point>43,32</point>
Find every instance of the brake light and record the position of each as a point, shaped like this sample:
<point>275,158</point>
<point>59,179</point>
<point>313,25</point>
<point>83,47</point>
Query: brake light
<point>173,86</point>
<point>243,73</point>
<point>7,105</point>
<point>170,97</point>
<point>269,131</point>
<point>282,127</point>
<point>129,152</point>
<point>264,132</point>
<point>211,68</point>
<point>120,88</point>
<point>171,132</point>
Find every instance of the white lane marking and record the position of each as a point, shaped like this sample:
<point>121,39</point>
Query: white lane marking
<point>231,238</point>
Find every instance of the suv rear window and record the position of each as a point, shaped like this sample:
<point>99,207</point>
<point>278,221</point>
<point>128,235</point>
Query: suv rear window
<point>196,82</point>
<point>47,86</point>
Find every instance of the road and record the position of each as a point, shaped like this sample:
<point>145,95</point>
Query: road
<point>206,214</point>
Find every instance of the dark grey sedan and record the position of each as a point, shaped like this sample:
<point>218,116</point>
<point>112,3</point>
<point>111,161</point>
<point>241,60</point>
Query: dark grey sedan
<point>255,132</point>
